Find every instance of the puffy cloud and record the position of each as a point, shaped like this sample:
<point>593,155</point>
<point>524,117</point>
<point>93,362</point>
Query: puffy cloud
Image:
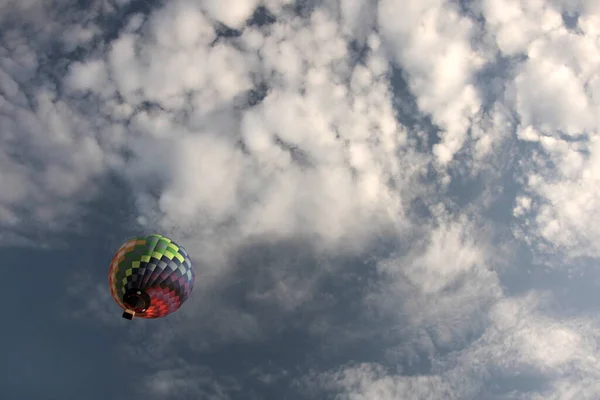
<point>556,104</point>
<point>562,205</point>
<point>233,13</point>
<point>432,43</point>
<point>324,139</point>
<point>316,155</point>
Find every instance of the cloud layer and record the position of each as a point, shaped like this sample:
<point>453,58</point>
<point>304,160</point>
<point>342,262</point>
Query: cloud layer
<point>269,137</point>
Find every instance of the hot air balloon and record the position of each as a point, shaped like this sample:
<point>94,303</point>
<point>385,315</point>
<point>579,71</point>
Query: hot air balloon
<point>150,277</point>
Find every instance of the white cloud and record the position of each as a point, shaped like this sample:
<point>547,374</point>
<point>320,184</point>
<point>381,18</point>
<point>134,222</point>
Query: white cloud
<point>554,97</point>
<point>432,43</point>
<point>233,13</point>
<point>564,198</point>
<point>358,17</point>
<point>90,75</point>
<point>321,147</point>
<point>317,162</point>
<point>551,96</point>
<point>515,25</point>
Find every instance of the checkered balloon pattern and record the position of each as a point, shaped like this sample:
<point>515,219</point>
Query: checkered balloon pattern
<point>156,265</point>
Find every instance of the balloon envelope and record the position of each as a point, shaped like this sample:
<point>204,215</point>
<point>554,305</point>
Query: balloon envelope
<point>150,276</point>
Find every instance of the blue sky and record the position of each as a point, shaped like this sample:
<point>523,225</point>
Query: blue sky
<point>383,199</point>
